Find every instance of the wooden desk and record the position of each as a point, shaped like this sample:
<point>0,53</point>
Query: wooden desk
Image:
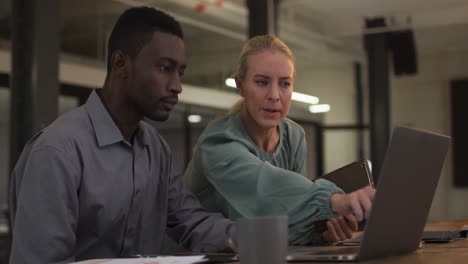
<point>431,253</point>
<point>452,253</point>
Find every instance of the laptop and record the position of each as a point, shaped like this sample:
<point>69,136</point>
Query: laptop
<point>405,190</point>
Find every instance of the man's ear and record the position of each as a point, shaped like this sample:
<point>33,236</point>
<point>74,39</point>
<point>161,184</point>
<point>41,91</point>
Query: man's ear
<point>239,86</point>
<point>120,63</point>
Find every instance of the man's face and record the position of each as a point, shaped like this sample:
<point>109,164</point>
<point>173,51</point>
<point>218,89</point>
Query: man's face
<point>154,79</point>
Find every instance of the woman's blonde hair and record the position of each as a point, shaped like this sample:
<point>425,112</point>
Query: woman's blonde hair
<point>255,45</point>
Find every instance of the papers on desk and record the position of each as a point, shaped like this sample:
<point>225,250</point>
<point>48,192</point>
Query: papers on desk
<point>157,260</point>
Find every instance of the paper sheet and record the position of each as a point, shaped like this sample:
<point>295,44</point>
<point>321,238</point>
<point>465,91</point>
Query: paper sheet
<point>158,260</point>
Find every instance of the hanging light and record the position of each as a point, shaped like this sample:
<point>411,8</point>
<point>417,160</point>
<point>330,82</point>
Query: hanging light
<point>194,119</point>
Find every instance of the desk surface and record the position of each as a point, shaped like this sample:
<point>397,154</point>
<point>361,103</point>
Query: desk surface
<point>452,252</point>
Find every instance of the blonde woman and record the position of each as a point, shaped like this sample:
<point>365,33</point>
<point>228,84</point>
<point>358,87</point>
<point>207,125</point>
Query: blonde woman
<point>252,161</point>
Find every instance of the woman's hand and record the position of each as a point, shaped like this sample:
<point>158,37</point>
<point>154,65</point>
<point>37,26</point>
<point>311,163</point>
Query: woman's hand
<point>340,228</point>
<point>357,203</point>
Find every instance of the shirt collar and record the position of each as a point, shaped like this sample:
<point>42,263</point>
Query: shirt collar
<point>106,130</point>
<point>143,135</point>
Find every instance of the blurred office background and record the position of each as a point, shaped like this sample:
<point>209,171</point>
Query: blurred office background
<point>366,94</point>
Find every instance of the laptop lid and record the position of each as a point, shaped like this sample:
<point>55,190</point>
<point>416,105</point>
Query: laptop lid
<point>406,187</point>
<point>405,190</point>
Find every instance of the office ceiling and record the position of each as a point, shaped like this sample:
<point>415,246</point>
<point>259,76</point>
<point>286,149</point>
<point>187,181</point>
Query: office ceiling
<point>319,31</point>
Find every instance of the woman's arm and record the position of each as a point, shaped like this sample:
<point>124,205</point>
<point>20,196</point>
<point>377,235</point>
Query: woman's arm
<point>257,188</point>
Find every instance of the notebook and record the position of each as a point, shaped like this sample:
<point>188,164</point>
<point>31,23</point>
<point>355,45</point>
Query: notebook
<point>351,177</point>
<point>412,165</point>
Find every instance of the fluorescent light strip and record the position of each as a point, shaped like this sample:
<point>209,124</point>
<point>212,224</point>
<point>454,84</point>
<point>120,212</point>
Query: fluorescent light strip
<point>319,108</point>
<point>299,97</point>
<point>304,98</point>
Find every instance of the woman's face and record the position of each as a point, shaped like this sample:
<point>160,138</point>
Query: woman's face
<point>267,87</point>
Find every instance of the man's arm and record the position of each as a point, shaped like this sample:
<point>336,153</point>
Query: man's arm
<point>190,224</point>
<point>46,212</point>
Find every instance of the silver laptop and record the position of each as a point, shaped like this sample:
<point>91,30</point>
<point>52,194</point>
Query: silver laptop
<point>405,190</point>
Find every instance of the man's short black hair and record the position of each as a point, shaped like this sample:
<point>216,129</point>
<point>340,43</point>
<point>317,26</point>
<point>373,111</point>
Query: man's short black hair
<point>135,28</point>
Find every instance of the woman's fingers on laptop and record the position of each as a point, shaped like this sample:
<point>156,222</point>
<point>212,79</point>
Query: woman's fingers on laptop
<point>328,237</point>
<point>338,229</point>
<point>347,227</point>
<point>352,222</point>
<point>333,233</point>
<point>335,230</point>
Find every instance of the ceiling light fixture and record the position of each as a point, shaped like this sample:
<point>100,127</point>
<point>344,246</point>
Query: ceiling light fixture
<point>194,118</point>
<point>230,82</point>
<point>319,108</point>
<point>304,98</point>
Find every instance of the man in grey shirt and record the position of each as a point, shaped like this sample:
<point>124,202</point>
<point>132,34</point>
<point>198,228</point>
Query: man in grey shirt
<point>99,182</point>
